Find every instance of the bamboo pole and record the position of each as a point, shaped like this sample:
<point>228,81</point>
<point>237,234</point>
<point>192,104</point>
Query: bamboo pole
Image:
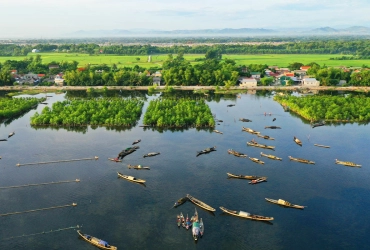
<point>40,184</point>
<point>39,209</point>
<point>47,162</point>
<point>44,232</point>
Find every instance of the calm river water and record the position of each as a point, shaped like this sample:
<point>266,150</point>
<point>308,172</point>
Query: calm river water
<point>131,216</point>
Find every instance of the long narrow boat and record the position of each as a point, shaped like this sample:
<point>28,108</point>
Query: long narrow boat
<point>284,203</point>
<point>321,146</point>
<point>218,132</point>
<point>260,145</point>
<point>266,137</point>
<point>236,153</point>
<point>201,226</point>
<point>200,203</point>
<point>347,163</point>
<point>138,167</point>
<point>247,177</point>
<point>244,120</point>
<point>96,242</point>
<point>115,159</point>
<point>301,160</point>
<point>246,215</point>
<point>259,180</point>
<point>273,127</point>
<point>180,201</point>
<point>250,130</point>
<point>296,140</point>
<point>195,226</point>
<point>273,157</point>
<point>206,151</point>
<point>314,125</point>
<point>130,178</point>
<point>256,160</point>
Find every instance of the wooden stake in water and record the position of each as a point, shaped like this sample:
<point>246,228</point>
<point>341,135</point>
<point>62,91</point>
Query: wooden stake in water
<point>40,184</point>
<point>40,209</point>
<point>47,162</point>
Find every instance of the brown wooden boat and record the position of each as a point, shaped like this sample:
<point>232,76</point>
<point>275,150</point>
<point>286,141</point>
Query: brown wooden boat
<point>259,180</point>
<point>138,167</point>
<point>200,203</point>
<point>347,163</point>
<point>218,132</point>
<point>250,130</point>
<point>260,145</point>
<point>301,160</point>
<point>266,137</point>
<point>273,157</point>
<point>256,160</point>
<point>247,177</point>
<point>246,215</point>
<point>115,159</point>
<point>296,140</point>
<point>96,242</point>
<point>238,154</point>
<point>131,178</point>
<point>284,203</point>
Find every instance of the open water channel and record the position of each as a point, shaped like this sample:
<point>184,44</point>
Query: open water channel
<point>131,216</point>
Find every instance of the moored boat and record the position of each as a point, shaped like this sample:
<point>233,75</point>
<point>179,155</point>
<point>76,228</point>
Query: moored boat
<point>256,160</point>
<point>238,154</point>
<point>260,145</point>
<point>195,227</point>
<point>151,154</point>
<point>347,163</point>
<point>284,203</point>
<point>301,160</point>
<point>273,127</point>
<point>200,203</point>
<point>96,242</point>
<point>273,157</point>
<point>250,130</point>
<point>244,120</point>
<point>201,227</point>
<point>130,178</point>
<point>138,167</point>
<point>127,151</point>
<point>11,134</point>
<point>246,215</point>
<point>321,146</point>
<point>296,140</point>
<point>180,201</point>
<point>318,124</point>
<point>266,137</point>
<point>259,180</point>
<point>182,220</point>
<point>178,220</point>
<point>218,132</point>
<point>247,177</point>
<point>206,151</point>
<point>115,159</point>
<point>135,142</point>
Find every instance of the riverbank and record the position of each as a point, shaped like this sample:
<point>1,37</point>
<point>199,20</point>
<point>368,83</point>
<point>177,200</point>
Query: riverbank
<point>162,88</point>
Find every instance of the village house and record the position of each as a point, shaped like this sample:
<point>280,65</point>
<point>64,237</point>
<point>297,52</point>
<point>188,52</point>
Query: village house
<point>256,75</point>
<point>53,66</point>
<point>305,68</point>
<point>247,82</point>
<point>310,82</point>
<point>58,80</point>
<point>157,80</point>
<point>300,73</point>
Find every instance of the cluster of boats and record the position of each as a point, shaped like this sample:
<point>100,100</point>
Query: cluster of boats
<point>196,224</point>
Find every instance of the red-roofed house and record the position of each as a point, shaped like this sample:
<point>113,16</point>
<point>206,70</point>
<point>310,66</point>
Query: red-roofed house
<point>305,67</point>
<point>13,71</point>
<point>40,75</point>
<point>290,74</point>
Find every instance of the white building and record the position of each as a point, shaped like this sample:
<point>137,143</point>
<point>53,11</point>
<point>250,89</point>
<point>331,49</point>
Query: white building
<point>310,82</point>
<point>58,80</point>
<point>35,51</point>
<point>248,82</point>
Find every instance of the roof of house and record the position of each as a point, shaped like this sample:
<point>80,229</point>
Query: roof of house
<point>305,67</point>
<point>40,75</point>
<point>289,74</point>
<point>310,79</point>
<point>255,73</point>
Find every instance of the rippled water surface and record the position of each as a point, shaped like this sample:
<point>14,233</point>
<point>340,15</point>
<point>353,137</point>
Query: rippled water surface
<point>131,216</point>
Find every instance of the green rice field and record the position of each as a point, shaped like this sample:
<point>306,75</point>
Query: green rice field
<point>281,60</point>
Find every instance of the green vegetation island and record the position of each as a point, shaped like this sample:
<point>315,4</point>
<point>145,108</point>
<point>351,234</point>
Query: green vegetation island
<point>11,107</point>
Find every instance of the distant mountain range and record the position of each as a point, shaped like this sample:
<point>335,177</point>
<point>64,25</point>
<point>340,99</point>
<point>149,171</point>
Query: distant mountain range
<point>354,30</point>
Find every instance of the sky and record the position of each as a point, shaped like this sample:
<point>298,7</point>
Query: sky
<point>58,18</point>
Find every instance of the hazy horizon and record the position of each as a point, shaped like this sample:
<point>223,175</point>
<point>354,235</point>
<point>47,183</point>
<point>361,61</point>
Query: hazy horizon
<point>48,19</point>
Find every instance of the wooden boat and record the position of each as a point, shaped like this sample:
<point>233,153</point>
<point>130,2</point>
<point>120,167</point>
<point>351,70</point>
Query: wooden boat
<point>11,134</point>
<point>259,180</point>
<point>115,159</point>
<point>250,130</point>
<point>127,151</point>
<point>136,142</point>
<point>260,145</point>
<point>301,160</point>
<point>266,137</point>
<point>130,178</point>
<point>3,139</point>
<point>296,140</point>
<point>138,167</point>
<point>273,157</point>
<point>151,154</point>
<point>180,201</point>
<point>273,127</point>
<point>230,105</point>
<point>201,226</point>
<point>248,177</point>
<point>244,120</point>
<point>96,242</point>
<point>246,215</point>
<point>347,163</point>
<point>200,203</point>
<point>238,154</point>
<point>321,146</point>
<point>218,132</point>
<point>256,160</point>
<point>182,220</point>
<point>284,203</point>
<point>178,220</point>
<point>318,124</point>
<point>187,222</point>
<point>206,151</point>
<point>196,226</point>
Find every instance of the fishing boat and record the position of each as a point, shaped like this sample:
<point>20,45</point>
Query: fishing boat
<point>11,134</point>
<point>347,163</point>
<point>273,127</point>
<point>250,130</point>
<point>127,151</point>
<point>186,222</point>
<point>96,242</point>
<point>178,220</point>
<point>130,178</point>
<point>182,220</point>
<point>296,140</point>
<point>200,203</point>
<point>318,124</point>
<point>238,154</point>
<point>284,203</point>
<point>151,154</point>
<point>180,201</point>
<point>301,160</point>
<point>230,105</point>
<point>321,146</point>
<point>206,151</point>
<point>195,227</point>
<point>138,167</point>
<point>244,120</point>
<point>3,139</point>
<point>115,159</point>
<point>218,132</point>
<point>248,177</point>
<point>136,142</point>
<point>260,145</point>
<point>246,215</point>
<point>266,137</point>
<point>256,160</point>
<point>201,226</point>
<point>273,157</point>
<point>259,180</point>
